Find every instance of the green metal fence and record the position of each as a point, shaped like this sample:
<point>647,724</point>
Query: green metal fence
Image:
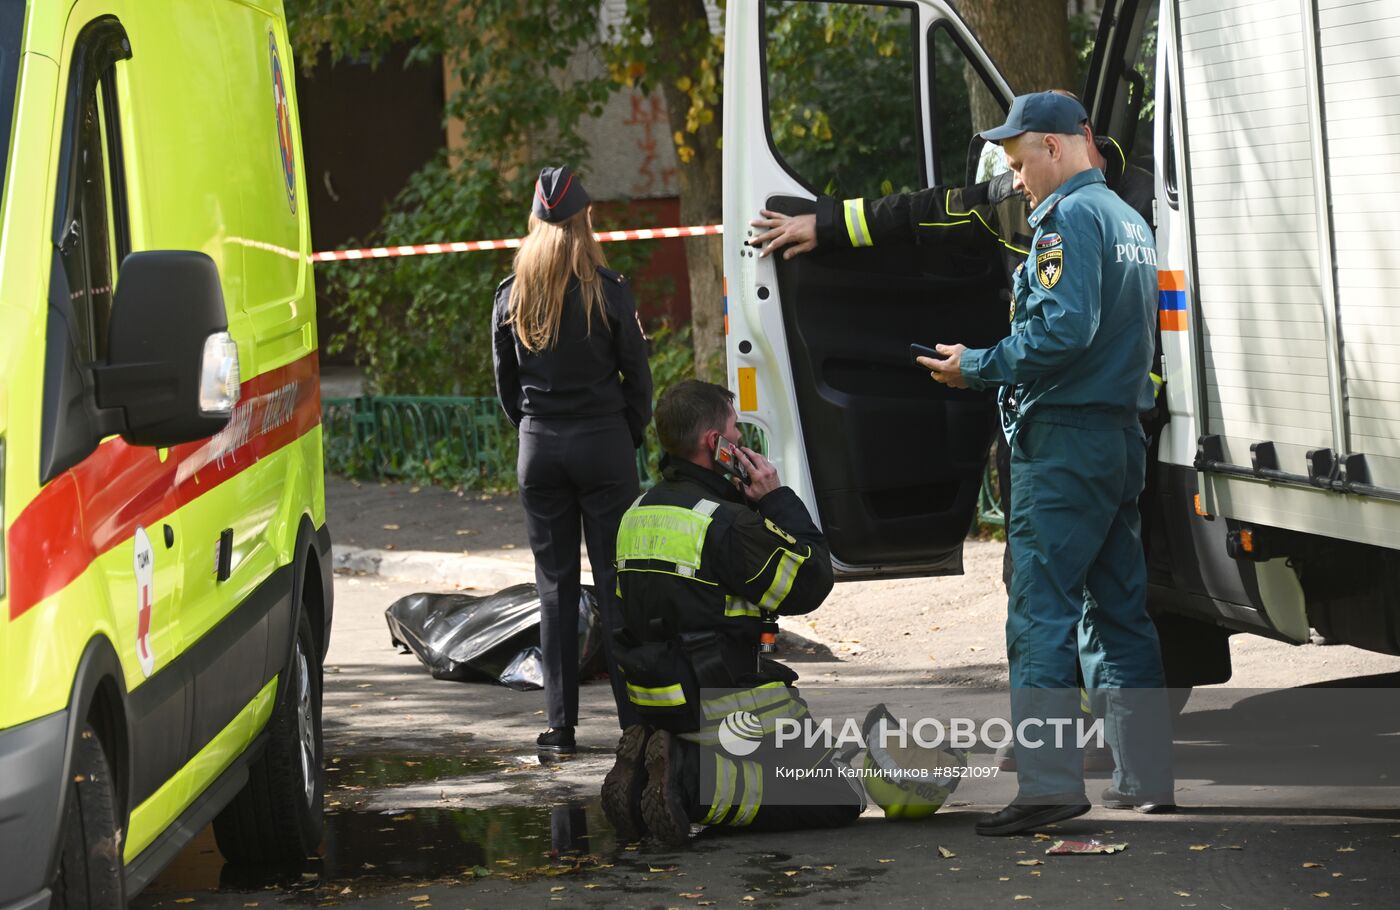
<point>465,440</point>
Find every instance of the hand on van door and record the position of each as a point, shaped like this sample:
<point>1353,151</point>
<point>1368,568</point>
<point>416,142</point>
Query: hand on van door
<point>948,371</point>
<point>763,477</point>
<point>798,232</point>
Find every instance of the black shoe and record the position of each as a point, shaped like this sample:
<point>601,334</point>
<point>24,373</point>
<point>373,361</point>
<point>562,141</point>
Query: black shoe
<point>559,740</point>
<point>1014,819</point>
<point>663,801</point>
<point>622,788</point>
<point>1113,799</point>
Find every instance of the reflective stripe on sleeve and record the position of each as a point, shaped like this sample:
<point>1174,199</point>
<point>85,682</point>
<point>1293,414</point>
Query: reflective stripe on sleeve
<point>783,577</point>
<point>856,226</point>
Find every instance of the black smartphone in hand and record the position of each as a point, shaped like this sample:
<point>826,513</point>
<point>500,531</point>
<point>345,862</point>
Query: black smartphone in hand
<point>727,457</point>
<point>919,350</point>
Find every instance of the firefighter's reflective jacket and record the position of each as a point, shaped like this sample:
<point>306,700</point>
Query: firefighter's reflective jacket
<point>939,214</point>
<point>698,568</point>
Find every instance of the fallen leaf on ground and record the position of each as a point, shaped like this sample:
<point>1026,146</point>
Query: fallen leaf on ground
<point>1182,893</point>
<point>946,853</point>
<point>419,898</point>
<point>1199,847</point>
<point>748,897</point>
<point>661,868</point>
<point>886,861</point>
<point>1022,897</point>
<point>690,894</point>
<point>1336,875</point>
<point>1030,862</point>
<point>391,527</point>
<point>1346,849</point>
<point>1312,865</point>
<point>1322,894</point>
<point>557,888</point>
<point>790,872</point>
<point>1004,878</point>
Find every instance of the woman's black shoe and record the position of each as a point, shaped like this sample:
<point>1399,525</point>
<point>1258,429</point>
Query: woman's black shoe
<point>559,740</point>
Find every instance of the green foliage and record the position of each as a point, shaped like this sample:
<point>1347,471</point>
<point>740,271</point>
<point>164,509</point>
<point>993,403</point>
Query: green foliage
<point>421,324</point>
<point>691,61</point>
<point>672,359</point>
<point>833,113</point>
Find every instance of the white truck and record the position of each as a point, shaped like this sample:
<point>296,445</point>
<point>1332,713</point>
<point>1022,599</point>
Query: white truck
<point>1272,128</point>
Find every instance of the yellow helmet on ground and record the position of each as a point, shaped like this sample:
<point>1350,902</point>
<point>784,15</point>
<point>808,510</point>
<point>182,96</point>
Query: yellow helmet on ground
<point>907,780</point>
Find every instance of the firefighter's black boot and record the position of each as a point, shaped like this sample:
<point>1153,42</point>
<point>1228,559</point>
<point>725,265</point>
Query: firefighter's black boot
<point>664,797</point>
<point>622,788</point>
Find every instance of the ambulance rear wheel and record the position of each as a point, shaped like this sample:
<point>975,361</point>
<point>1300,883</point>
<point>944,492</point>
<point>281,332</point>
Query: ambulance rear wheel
<point>90,867</point>
<point>277,818</point>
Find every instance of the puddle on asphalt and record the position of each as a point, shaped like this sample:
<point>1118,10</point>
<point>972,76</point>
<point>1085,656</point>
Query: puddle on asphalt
<point>367,852</point>
<point>382,770</point>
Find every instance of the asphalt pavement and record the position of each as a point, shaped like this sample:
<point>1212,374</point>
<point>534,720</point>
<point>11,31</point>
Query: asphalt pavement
<point>436,798</point>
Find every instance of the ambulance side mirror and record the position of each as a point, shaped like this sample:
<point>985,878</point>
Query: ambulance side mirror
<point>171,374</point>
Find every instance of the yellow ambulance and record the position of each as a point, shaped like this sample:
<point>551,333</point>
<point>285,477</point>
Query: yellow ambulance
<point>165,588</point>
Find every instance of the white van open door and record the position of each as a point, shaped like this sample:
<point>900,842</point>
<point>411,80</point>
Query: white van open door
<point>860,99</point>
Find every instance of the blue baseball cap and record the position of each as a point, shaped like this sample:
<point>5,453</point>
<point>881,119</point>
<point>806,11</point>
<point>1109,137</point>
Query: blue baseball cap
<point>559,195</point>
<point>1039,112</point>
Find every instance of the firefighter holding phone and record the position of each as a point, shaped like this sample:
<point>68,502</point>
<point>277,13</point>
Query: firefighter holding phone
<point>702,558</point>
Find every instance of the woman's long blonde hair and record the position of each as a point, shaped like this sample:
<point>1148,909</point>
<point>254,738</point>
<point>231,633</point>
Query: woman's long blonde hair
<point>550,258</point>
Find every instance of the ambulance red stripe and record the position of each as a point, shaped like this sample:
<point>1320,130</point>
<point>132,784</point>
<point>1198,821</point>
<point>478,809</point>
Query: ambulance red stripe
<point>97,505</point>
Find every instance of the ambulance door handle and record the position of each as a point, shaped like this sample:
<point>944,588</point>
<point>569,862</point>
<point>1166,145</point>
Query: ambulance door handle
<point>169,536</point>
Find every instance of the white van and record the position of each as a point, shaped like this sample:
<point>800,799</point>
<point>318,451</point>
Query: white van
<point>1273,132</point>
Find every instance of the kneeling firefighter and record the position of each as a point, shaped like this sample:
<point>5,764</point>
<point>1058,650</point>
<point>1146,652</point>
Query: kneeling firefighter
<point>703,561</point>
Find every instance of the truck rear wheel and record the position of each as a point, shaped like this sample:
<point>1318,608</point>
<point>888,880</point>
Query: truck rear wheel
<point>90,867</point>
<point>277,816</point>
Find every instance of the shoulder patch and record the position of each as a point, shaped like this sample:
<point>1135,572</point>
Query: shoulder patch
<point>616,277</point>
<point>768,523</point>
<point>1049,266</point>
<point>1048,240</point>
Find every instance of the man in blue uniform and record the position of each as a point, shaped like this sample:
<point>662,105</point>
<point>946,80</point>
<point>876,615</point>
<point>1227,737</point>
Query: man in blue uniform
<point>1074,377</point>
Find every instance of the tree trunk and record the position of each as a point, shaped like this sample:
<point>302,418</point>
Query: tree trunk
<point>1028,41</point>
<point>701,183</point>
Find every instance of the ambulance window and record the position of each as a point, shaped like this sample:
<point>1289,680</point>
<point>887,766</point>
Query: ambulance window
<point>86,247</point>
<point>842,93</point>
<point>962,104</point>
<point>90,246</point>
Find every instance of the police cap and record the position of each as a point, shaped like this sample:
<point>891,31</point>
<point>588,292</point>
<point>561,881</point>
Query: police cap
<point>559,195</point>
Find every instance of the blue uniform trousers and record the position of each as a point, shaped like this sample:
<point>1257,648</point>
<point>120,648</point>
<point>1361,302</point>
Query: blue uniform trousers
<point>1078,592</point>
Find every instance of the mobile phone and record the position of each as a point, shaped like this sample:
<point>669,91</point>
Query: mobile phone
<point>727,457</point>
<point>919,350</point>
